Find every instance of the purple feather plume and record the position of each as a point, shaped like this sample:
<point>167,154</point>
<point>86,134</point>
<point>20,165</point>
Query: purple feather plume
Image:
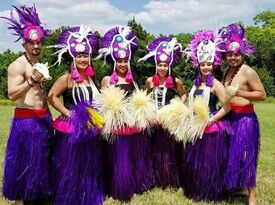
<point>199,37</point>
<point>235,33</point>
<point>93,40</point>
<point>155,43</point>
<point>25,15</point>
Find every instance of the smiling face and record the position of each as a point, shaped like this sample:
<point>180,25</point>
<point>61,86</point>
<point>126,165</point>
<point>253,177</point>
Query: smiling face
<point>234,60</point>
<point>82,61</point>
<point>206,68</point>
<point>122,65</point>
<point>162,69</point>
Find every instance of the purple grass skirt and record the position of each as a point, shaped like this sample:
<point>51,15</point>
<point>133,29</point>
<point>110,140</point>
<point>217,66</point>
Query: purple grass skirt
<point>129,165</point>
<point>77,162</point>
<point>26,162</point>
<point>204,166</point>
<point>243,151</point>
<point>59,159</point>
<point>82,182</point>
<point>166,158</point>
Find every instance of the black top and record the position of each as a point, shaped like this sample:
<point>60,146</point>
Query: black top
<point>212,101</point>
<point>170,94</point>
<point>68,96</point>
<point>128,88</point>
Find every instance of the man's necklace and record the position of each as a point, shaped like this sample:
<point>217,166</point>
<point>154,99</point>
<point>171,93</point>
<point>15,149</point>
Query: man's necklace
<point>28,59</point>
<point>232,76</point>
<point>42,84</point>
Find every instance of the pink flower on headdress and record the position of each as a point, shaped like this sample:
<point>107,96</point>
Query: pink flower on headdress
<point>234,44</point>
<point>33,33</point>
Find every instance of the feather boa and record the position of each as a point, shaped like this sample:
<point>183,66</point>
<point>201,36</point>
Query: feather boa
<point>143,109</point>
<point>114,108</point>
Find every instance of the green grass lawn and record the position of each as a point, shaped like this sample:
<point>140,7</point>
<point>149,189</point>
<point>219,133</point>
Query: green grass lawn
<point>265,177</point>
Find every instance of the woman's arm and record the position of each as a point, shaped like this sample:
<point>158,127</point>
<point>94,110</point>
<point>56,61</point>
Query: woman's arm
<point>181,89</point>
<point>105,82</point>
<point>60,85</point>
<point>220,92</point>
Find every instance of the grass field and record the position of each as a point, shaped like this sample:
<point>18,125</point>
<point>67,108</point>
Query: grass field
<point>265,177</point>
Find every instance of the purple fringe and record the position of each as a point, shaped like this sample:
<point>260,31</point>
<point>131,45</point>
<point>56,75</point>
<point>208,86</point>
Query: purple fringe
<point>92,38</point>
<point>77,163</point>
<point>59,159</point>
<point>83,179</point>
<point>79,120</point>
<point>26,162</point>
<point>166,158</point>
<point>129,166</point>
<point>204,166</point>
<point>243,151</point>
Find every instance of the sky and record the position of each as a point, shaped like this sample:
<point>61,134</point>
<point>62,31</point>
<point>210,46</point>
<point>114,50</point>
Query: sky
<point>165,17</point>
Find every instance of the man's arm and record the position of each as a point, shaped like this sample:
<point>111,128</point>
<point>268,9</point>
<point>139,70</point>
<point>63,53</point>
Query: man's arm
<point>17,85</point>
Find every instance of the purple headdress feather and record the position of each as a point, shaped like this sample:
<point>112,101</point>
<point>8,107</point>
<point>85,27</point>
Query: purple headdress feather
<point>105,48</point>
<point>167,50</point>
<point>118,43</point>
<point>191,50</point>
<point>26,22</point>
<point>235,40</point>
<point>75,40</point>
<point>151,48</point>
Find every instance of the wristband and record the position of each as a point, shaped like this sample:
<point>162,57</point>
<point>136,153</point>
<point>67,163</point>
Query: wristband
<point>34,81</point>
<point>29,83</point>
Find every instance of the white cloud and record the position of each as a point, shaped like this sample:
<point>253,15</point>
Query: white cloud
<point>172,16</point>
<point>101,15</point>
<point>192,15</point>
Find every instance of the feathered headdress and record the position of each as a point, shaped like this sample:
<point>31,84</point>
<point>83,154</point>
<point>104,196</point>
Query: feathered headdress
<point>75,40</point>
<point>167,50</point>
<point>26,24</point>
<point>235,40</point>
<point>205,46</point>
<point>118,43</point>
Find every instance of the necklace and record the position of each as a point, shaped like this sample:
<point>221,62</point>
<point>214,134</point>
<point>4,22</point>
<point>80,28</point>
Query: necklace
<point>232,76</point>
<point>41,84</point>
<point>160,96</point>
<point>28,59</point>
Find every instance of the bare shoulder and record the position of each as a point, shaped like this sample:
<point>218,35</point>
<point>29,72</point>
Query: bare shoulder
<point>64,77</point>
<point>17,66</point>
<point>149,80</point>
<point>248,71</point>
<point>105,81</point>
<point>217,82</point>
<point>178,81</point>
<point>105,78</point>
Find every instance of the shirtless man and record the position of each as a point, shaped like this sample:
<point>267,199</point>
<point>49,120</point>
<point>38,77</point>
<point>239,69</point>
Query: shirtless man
<point>26,163</point>
<point>244,143</point>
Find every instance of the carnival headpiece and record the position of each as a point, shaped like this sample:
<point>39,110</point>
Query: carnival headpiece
<point>27,24</point>
<point>205,46</point>
<point>118,43</point>
<point>235,40</point>
<point>167,50</point>
<point>76,40</point>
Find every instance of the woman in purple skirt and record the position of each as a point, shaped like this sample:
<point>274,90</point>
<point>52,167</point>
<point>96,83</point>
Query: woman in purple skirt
<point>165,53</point>
<point>77,165</point>
<point>129,167</point>
<point>205,158</point>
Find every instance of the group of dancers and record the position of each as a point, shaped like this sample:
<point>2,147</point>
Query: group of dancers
<point>119,140</point>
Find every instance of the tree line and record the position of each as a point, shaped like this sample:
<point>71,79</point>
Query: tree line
<point>261,35</point>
